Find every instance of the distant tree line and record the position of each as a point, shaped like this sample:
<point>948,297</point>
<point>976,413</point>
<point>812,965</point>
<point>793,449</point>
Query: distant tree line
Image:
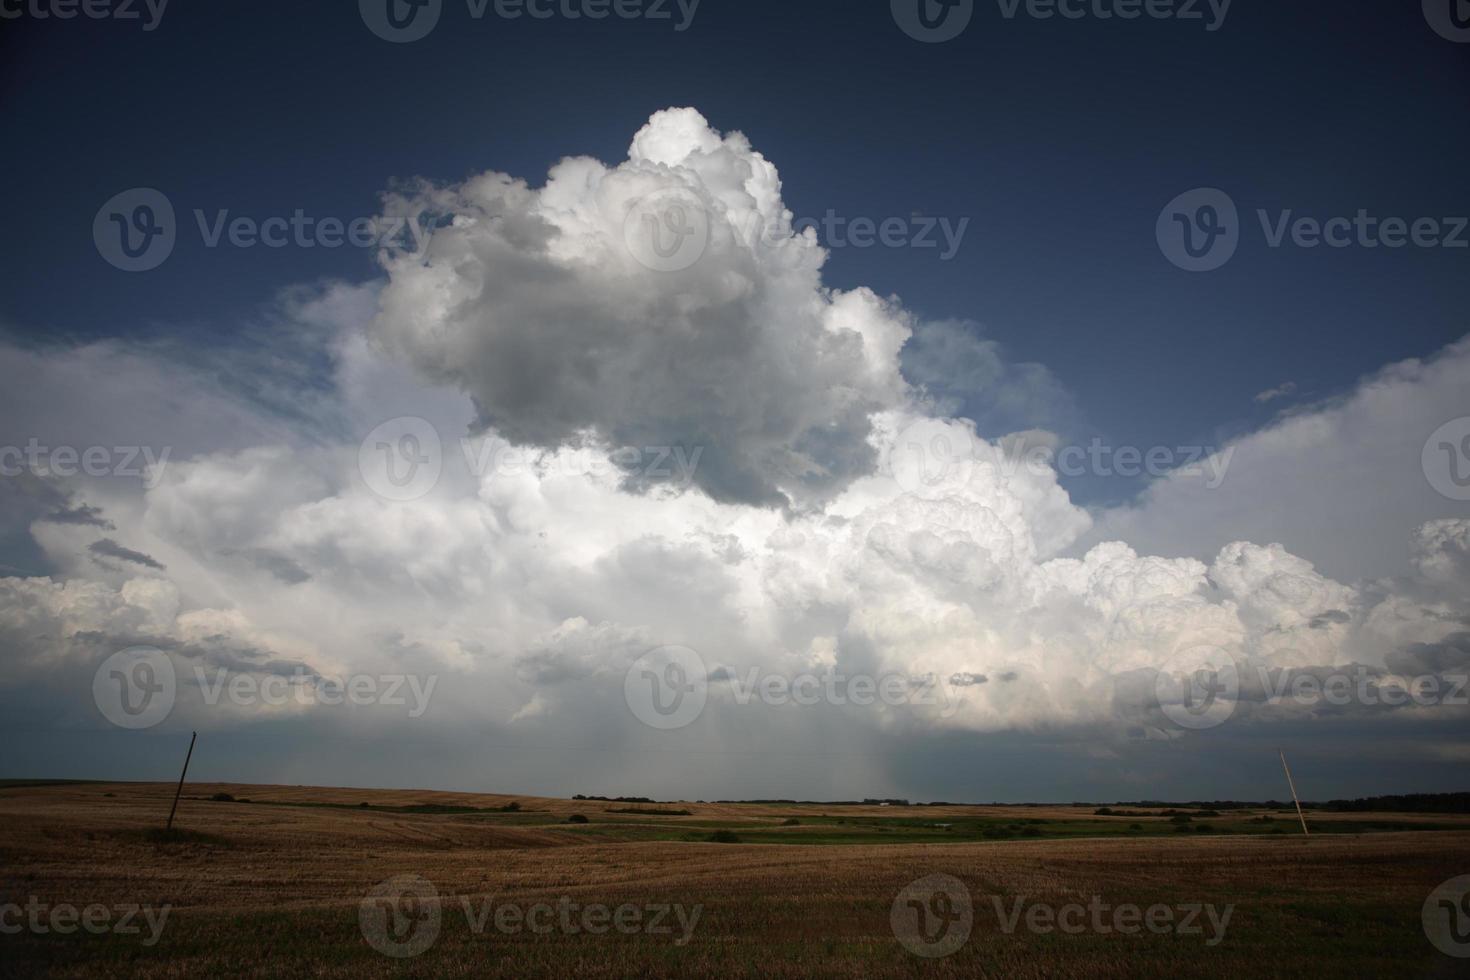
<point>1405,803</point>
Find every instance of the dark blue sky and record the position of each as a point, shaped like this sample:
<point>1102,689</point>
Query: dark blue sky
<point>1060,140</point>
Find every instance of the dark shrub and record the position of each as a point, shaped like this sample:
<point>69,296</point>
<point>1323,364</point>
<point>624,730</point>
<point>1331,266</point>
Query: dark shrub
<point>724,837</point>
<point>576,818</point>
<point>222,798</point>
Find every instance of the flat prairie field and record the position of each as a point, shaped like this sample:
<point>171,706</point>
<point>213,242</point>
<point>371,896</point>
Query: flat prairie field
<point>277,881</point>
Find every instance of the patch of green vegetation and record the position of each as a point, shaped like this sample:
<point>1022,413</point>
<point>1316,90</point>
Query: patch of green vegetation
<point>648,823</point>
<point>425,808</point>
<point>820,830</point>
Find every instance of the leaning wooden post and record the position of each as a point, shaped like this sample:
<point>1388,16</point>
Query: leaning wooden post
<point>1298,802</point>
<point>187,757</point>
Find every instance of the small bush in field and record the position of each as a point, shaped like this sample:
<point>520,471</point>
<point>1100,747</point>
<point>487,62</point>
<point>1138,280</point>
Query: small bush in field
<point>576,818</point>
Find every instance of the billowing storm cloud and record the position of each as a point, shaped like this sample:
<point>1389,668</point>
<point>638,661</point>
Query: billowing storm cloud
<point>632,451</point>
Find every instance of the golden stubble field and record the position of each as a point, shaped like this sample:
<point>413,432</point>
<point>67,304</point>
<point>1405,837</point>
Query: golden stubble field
<point>276,887</point>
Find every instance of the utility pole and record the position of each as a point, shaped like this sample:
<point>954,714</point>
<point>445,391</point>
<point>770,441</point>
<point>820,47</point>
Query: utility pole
<point>1299,815</point>
<point>190,755</point>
